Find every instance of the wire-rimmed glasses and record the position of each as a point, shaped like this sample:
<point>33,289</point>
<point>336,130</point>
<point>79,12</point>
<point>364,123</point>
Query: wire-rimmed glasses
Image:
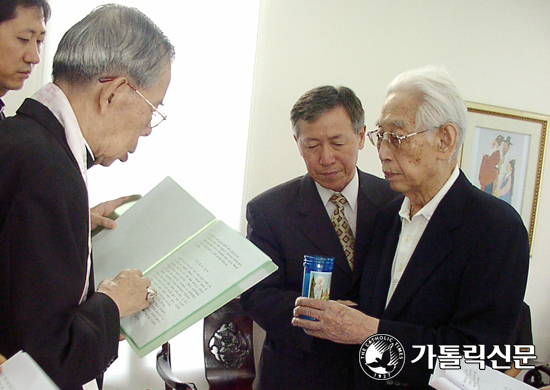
<point>157,117</point>
<point>376,137</point>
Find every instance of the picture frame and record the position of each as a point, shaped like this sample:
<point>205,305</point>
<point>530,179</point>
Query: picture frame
<point>503,154</point>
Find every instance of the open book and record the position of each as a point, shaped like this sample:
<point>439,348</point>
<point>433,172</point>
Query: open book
<point>21,372</point>
<point>471,377</point>
<point>196,263</point>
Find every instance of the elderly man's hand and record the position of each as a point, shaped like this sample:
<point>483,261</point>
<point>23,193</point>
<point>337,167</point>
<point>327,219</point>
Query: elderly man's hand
<point>128,290</point>
<point>337,322</point>
<point>99,214</point>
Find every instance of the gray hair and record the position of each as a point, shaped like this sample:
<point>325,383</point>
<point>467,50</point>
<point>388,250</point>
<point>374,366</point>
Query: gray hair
<point>441,100</point>
<point>112,41</point>
<point>315,102</point>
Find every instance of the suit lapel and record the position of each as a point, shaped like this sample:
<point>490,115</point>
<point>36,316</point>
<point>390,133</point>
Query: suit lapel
<point>365,217</point>
<point>365,214</point>
<point>370,200</point>
<point>47,119</point>
<point>315,224</point>
<point>383,267</point>
<point>432,249</point>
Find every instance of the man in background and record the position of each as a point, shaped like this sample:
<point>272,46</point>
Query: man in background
<point>294,219</point>
<point>111,72</point>
<point>22,33</point>
<point>441,270</point>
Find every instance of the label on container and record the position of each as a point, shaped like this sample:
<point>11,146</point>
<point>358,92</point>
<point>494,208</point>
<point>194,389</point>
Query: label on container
<point>318,285</point>
<point>317,277</point>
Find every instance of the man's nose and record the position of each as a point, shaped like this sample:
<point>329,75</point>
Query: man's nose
<point>385,151</point>
<point>32,54</point>
<point>327,155</point>
<point>147,130</point>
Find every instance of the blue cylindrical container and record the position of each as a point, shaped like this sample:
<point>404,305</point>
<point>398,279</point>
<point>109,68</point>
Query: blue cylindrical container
<point>317,276</point>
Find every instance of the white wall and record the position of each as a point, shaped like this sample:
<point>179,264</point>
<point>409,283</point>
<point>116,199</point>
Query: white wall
<point>497,50</point>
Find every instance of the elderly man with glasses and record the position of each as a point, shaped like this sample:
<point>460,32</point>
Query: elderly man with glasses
<point>111,71</point>
<point>447,266</point>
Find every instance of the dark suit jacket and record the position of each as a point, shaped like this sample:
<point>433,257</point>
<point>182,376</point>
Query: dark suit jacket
<point>43,254</point>
<point>288,222</point>
<point>464,284</point>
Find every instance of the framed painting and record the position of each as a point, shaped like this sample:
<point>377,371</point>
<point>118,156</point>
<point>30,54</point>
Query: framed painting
<point>503,154</point>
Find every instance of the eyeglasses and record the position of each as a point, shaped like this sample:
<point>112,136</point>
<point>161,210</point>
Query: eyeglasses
<point>156,116</point>
<point>376,137</point>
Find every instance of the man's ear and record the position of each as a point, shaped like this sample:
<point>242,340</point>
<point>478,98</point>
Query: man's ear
<point>361,136</point>
<point>111,92</point>
<point>447,137</point>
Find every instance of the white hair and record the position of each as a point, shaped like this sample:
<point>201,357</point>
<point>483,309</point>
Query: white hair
<point>441,100</point>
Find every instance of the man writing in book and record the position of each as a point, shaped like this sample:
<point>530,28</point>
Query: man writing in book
<point>294,219</point>
<point>106,90</point>
<point>441,269</point>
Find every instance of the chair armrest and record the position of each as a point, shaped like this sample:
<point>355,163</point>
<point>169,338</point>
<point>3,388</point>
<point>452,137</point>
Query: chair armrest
<point>164,369</point>
<point>534,376</point>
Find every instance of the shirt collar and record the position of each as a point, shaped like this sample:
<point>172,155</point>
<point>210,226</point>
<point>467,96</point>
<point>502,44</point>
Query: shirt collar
<point>350,192</point>
<point>429,208</point>
<point>53,97</point>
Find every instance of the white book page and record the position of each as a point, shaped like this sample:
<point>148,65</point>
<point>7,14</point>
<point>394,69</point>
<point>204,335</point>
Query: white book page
<point>159,222</point>
<point>212,267</point>
<point>21,372</point>
<point>471,377</point>
<point>444,384</point>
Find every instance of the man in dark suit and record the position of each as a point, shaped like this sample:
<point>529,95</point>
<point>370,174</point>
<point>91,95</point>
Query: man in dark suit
<point>107,86</point>
<point>294,219</point>
<point>447,266</point>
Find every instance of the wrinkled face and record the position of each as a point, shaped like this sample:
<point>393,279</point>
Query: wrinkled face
<point>410,168</point>
<point>130,121</point>
<point>20,43</point>
<point>330,148</point>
